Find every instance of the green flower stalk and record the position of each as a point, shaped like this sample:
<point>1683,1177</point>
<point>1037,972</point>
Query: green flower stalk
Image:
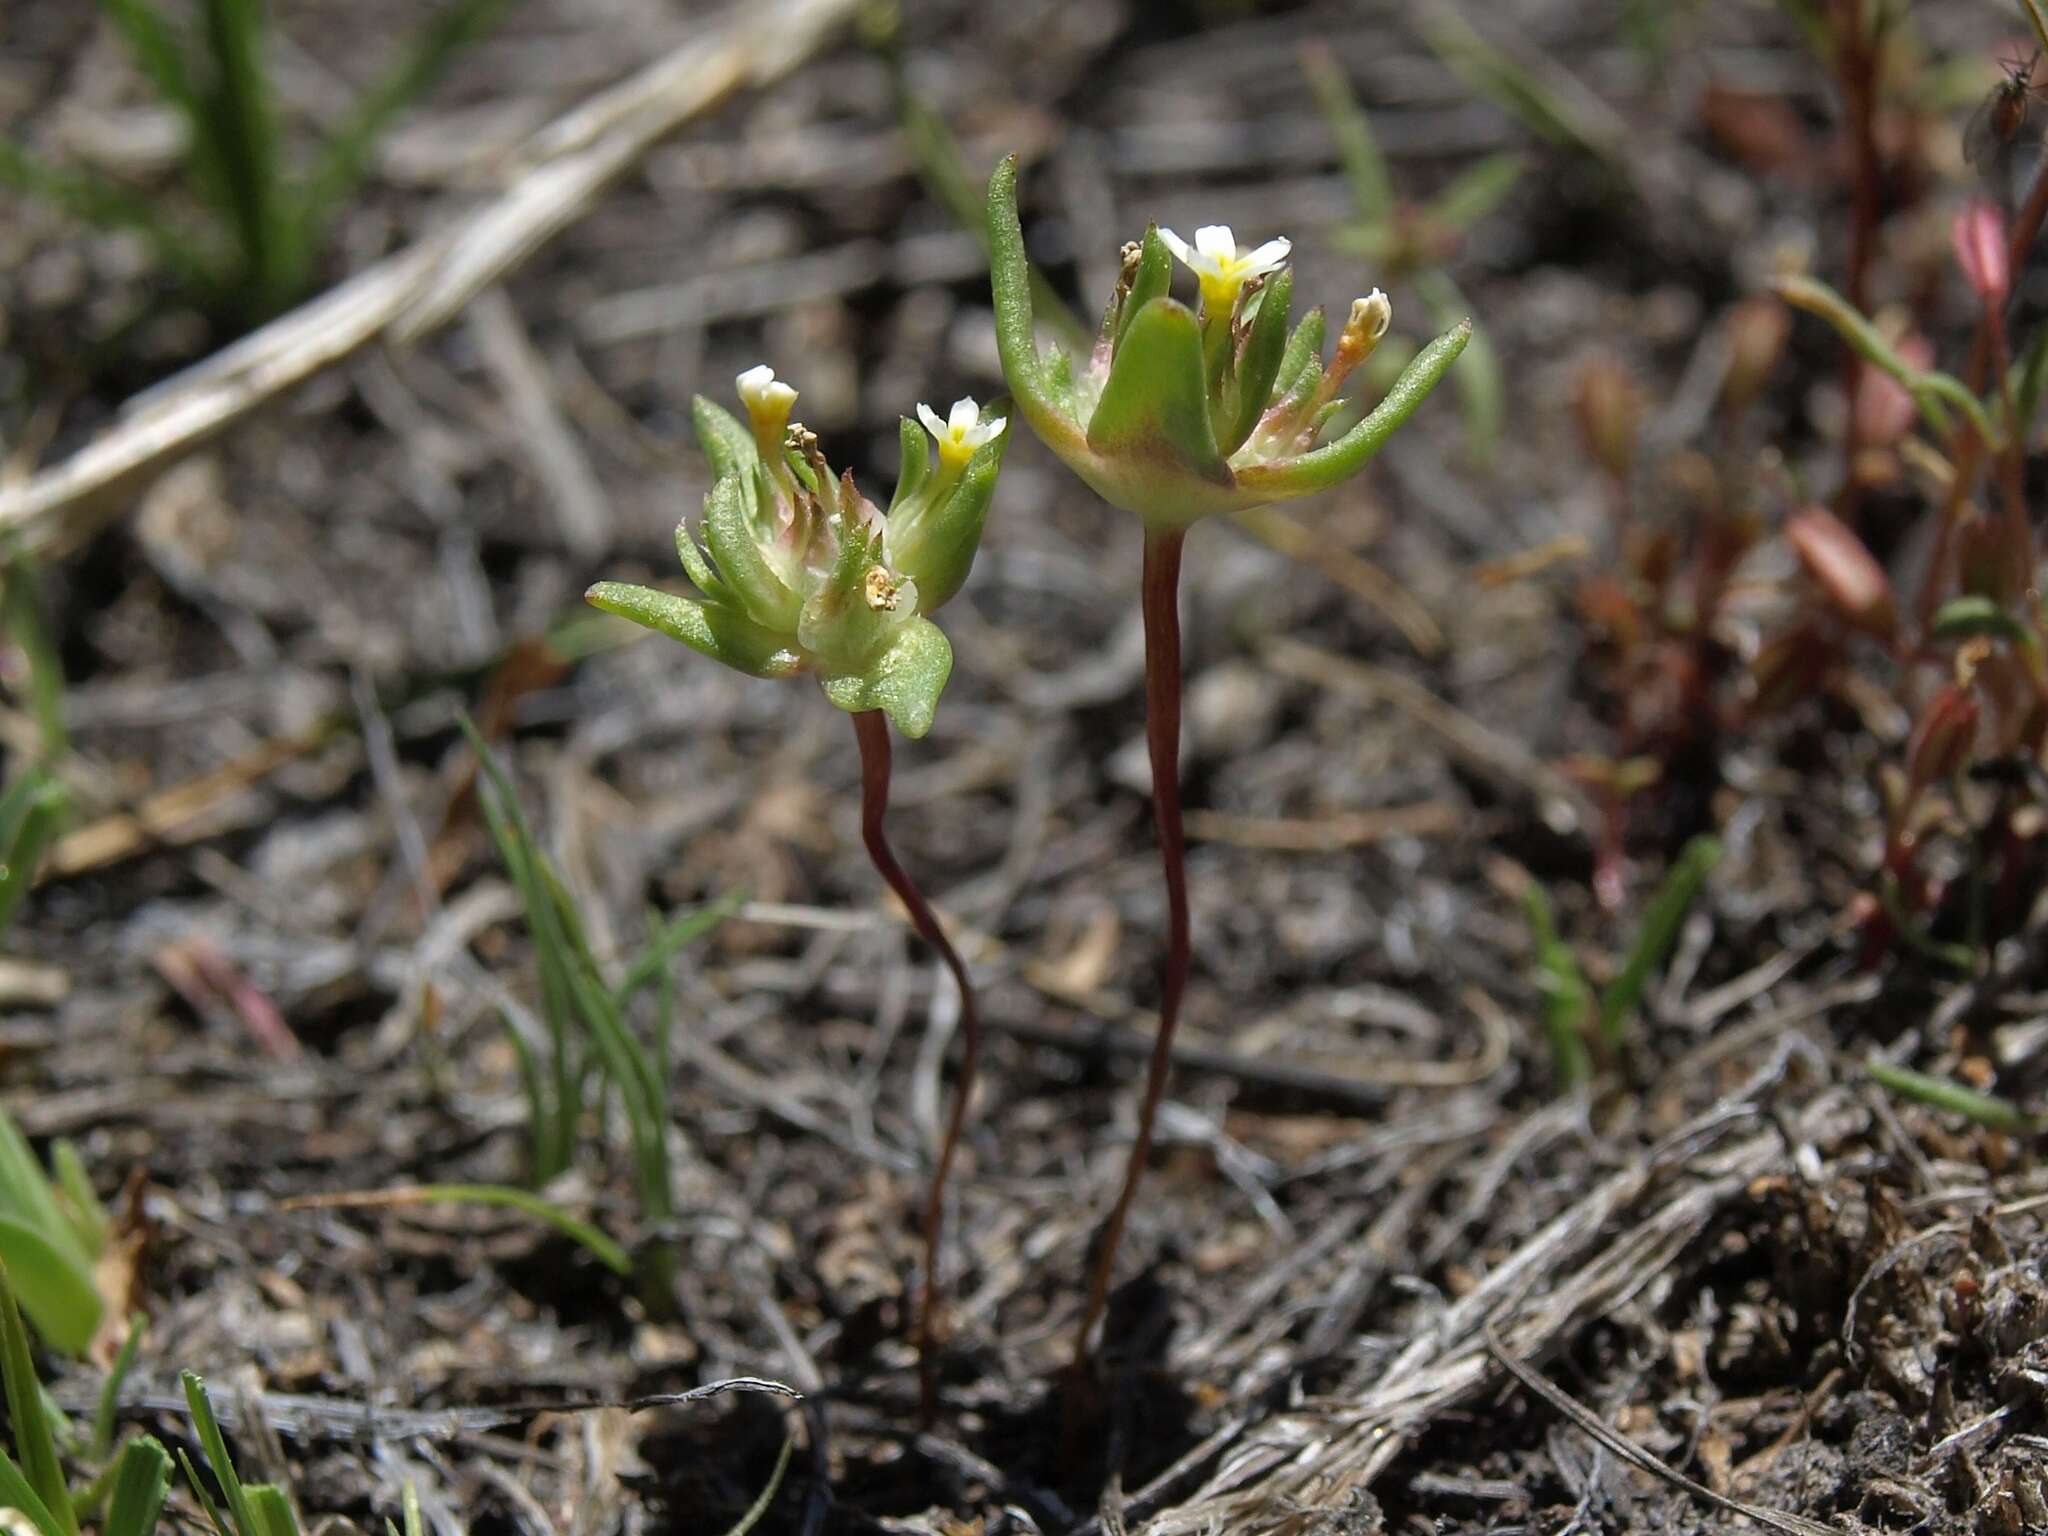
<point>1179,414</point>
<point>799,572</point>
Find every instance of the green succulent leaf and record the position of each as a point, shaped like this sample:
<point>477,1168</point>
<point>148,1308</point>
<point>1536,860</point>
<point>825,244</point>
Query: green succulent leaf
<point>715,630</point>
<point>1009,270</point>
<point>1339,461</point>
<point>904,684</point>
<point>729,530</point>
<point>727,441</point>
<point>1264,350</point>
<point>1154,410</point>
<point>1153,279</point>
<point>934,544</point>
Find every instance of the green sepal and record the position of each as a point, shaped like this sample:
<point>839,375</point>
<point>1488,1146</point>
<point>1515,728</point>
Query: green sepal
<point>1339,461</point>
<point>905,683</point>
<point>728,443</point>
<point>1301,362</point>
<point>913,463</point>
<point>1009,270</point>
<point>722,633</point>
<point>1259,364</point>
<point>1154,410</point>
<point>934,543</point>
<point>142,1476</point>
<point>730,532</point>
<point>1152,280</point>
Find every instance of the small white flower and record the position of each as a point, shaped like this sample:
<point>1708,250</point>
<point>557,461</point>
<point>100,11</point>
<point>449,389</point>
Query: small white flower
<point>961,432</point>
<point>1216,260</point>
<point>1370,316</point>
<point>768,401</point>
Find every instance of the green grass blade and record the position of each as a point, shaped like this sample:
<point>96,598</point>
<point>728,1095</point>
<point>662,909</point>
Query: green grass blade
<point>15,1493</point>
<point>271,1508</point>
<point>35,1442</point>
<point>236,107</point>
<point>1476,192</point>
<point>1365,168</point>
<point>341,166</point>
<point>24,855</point>
<point>27,1197</point>
<point>109,1400</point>
<point>759,1507</point>
<point>213,1513</point>
<point>142,1476</point>
<point>215,1445</point>
<point>29,628</point>
<point>506,1196</point>
<point>77,1198</point>
<point>1567,1002</point>
<point>1939,1093</point>
<point>54,1289</point>
<point>1659,932</point>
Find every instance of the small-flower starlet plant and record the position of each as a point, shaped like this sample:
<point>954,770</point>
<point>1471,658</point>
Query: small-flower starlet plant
<point>798,571</point>
<point>1178,414</point>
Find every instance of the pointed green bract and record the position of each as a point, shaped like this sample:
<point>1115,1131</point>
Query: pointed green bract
<point>904,684</point>
<point>1323,467</point>
<point>1153,279</point>
<point>728,445</point>
<point>1154,409</point>
<point>1259,366</point>
<point>913,463</point>
<point>729,532</point>
<point>709,628</point>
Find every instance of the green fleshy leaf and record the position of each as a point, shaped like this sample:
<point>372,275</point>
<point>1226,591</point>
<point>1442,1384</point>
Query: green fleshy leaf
<point>904,684</point>
<point>728,442</point>
<point>1152,280</point>
<point>1154,410</point>
<point>1260,364</point>
<point>934,544</point>
<point>730,531</point>
<point>712,629</point>
<point>1009,270</point>
<point>1339,461</point>
<point>913,463</point>
<point>697,568</point>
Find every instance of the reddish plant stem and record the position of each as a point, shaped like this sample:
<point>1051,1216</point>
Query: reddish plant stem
<point>2026,228</point>
<point>1162,738</point>
<point>871,729</point>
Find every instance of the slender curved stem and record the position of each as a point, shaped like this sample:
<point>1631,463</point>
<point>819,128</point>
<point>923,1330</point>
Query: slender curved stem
<point>871,730</point>
<point>1162,737</point>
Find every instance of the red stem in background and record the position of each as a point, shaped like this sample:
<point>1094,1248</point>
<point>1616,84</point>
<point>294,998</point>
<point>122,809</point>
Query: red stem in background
<point>871,729</point>
<point>1162,738</point>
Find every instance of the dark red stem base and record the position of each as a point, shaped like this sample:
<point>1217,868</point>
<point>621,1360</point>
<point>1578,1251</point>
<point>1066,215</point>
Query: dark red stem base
<point>871,729</point>
<point>1162,737</point>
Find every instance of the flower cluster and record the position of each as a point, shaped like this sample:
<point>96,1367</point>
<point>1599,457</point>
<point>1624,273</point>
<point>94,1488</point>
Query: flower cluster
<point>799,572</point>
<point>1181,413</point>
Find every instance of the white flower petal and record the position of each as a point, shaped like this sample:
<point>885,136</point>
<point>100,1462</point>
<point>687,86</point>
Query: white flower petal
<point>1217,243</point>
<point>931,421</point>
<point>965,414</point>
<point>755,380</point>
<point>1268,256</point>
<point>1178,246</point>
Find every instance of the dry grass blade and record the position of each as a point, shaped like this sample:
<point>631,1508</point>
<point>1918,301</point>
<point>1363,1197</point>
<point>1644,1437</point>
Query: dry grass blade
<point>1636,1456</point>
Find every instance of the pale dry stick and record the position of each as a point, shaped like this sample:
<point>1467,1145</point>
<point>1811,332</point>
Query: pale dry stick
<point>558,174</point>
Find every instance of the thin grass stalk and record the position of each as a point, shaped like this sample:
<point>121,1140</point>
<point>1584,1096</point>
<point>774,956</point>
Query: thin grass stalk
<point>871,730</point>
<point>1162,738</point>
